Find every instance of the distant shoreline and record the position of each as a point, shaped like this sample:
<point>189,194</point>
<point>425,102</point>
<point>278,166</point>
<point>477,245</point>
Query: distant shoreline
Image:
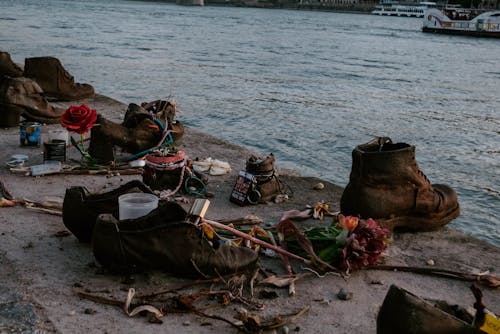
<point>364,8</point>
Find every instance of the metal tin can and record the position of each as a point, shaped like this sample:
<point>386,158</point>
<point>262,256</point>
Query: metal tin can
<point>29,133</point>
<point>55,150</point>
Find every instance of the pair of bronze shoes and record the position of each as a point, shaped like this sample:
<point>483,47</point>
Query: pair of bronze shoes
<point>164,239</point>
<point>144,127</point>
<point>24,92</point>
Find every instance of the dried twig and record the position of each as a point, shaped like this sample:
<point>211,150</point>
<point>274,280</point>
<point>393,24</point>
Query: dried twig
<point>288,318</point>
<point>216,317</point>
<point>99,299</point>
<point>49,211</point>
<point>184,286</point>
<point>489,280</point>
<point>6,199</point>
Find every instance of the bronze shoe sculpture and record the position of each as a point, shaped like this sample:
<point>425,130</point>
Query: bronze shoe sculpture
<point>386,184</point>
<point>23,97</point>
<point>106,134</point>
<point>404,312</point>
<point>165,110</point>
<point>81,208</point>
<point>268,184</point>
<point>140,131</point>
<point>8,67</point>
<point>55,81</point>
<point>164,240</point>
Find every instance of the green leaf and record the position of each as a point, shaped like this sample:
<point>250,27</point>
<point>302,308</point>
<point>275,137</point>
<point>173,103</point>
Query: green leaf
<point>342,238</point>
<point>329,253</point>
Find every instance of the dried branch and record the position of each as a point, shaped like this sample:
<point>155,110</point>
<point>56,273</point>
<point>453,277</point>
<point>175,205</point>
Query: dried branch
<point>289,318</point>
<point>49,211</point>
<point>99,299</point>
<point>489,280</point>
<point>184,286</point>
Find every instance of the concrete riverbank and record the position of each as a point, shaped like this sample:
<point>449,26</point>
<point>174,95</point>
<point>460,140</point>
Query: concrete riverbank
<point>43,266</point>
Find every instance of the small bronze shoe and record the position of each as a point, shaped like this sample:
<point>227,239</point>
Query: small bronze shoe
<point>81,208</point>
<point>24,97</point>
<point>55,81</point>
<point>8,67</point>
<point>268,183</point>
<point>164,240</point>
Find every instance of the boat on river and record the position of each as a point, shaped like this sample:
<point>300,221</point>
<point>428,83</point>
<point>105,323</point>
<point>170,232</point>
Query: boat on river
<point>459,21</point>
<point>394,8</point>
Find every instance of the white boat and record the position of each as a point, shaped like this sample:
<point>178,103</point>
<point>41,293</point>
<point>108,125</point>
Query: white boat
<point>392,8</point>
<point>458,21</point>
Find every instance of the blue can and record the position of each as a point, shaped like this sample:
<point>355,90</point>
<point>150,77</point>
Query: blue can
<point>30,133</point>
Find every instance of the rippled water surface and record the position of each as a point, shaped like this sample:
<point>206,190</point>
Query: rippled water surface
<point>307,86</point>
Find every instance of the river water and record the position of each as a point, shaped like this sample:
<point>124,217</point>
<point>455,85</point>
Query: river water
<point>307,86</point>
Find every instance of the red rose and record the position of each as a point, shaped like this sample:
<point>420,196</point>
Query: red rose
<point>79,119</point>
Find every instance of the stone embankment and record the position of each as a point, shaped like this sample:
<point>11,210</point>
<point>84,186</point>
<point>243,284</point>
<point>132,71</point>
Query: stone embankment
<point>44,267</point>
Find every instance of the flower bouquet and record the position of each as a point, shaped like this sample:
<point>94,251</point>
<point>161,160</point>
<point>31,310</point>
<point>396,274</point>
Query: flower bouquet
<point>351,243</point>
<point>348,244</point>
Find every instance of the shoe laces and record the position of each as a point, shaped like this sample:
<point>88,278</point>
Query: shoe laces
<point>424,176</point>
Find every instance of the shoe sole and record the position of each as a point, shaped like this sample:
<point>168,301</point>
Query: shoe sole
<point>421,223</point>
<point>12,113</point>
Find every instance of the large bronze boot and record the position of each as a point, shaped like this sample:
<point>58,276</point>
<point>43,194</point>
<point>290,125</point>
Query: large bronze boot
<point>55,81</point>
<point>386,184</point>
<point>23,97</point>
<point>8,67</point>
<point>106,134</point>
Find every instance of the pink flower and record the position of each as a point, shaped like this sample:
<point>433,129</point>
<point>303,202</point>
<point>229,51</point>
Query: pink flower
<point>364,245</point>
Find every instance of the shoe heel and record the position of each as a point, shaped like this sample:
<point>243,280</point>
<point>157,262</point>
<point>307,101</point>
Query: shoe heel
<point>9,115</point>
